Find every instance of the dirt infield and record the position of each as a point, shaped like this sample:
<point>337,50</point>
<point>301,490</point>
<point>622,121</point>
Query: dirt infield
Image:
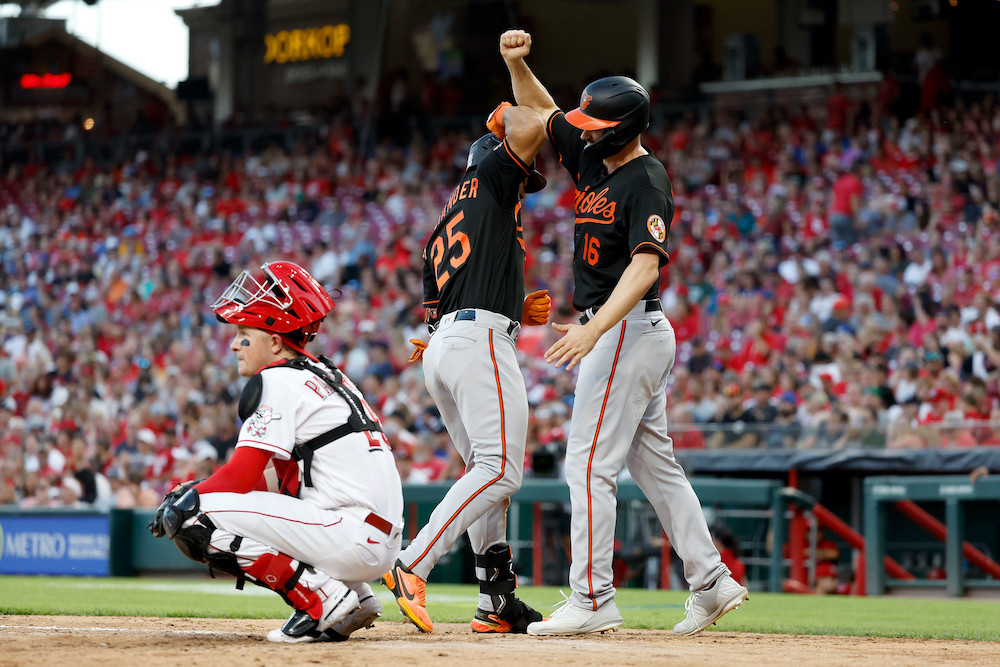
<point>161,642</point>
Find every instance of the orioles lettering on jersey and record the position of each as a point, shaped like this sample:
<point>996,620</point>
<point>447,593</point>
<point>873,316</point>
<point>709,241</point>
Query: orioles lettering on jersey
<point>596,206</point>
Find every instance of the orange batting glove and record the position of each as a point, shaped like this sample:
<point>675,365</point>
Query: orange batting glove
<point>495,121</point>
<point>418,351</point>
<point>536,308</point>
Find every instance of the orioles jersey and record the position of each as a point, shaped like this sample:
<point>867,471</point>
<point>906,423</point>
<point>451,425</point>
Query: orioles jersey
<point>617,215</point>
<point>474,258</point>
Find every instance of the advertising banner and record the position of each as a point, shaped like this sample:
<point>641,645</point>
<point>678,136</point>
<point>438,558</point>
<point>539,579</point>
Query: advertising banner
<point>54,544</point>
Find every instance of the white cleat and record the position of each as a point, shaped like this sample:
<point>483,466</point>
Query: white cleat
<point>572,620</point>
<point>364,616</point>
<point>340,601</point>
<point>705,607</point>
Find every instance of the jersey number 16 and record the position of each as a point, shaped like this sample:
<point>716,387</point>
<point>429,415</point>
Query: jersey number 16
<point>591,249</point>
<point>457,252</point>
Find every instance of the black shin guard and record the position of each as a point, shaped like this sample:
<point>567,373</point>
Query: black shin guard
<point>499,584</point>
<point>500,580</point>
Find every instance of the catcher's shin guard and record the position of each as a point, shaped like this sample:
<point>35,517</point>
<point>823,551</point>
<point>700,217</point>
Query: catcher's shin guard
<point>509,614</point>
<point>281,574</point>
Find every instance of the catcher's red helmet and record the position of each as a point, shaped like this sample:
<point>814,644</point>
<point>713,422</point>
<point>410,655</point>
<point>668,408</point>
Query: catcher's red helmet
<point>289,302</point>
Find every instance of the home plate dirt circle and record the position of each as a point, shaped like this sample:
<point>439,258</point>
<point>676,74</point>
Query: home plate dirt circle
<point>82,641</point>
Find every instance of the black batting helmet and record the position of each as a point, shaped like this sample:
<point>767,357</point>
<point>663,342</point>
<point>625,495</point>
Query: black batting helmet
<point>616,104</point>
<point>490,142</point>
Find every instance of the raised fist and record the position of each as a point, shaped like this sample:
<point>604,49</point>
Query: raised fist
<point>515,44</point>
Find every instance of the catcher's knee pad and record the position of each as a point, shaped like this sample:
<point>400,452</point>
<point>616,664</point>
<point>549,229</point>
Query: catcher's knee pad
<point>194,537</point>
<point>194,540</point>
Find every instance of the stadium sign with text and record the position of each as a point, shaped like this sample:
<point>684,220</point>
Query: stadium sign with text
<point>289,46</point>
<point>54,544</point>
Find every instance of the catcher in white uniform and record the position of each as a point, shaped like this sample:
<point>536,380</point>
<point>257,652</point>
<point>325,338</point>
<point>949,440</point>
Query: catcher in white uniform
<point>333,519</point>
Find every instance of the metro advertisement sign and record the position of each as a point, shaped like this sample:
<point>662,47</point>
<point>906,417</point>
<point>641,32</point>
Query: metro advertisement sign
<point>54,544</point>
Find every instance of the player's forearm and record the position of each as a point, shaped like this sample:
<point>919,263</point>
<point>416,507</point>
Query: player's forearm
<point>528,90</point>
<point>639,276</point>
<point>525,132</point>
<point>240,474</point>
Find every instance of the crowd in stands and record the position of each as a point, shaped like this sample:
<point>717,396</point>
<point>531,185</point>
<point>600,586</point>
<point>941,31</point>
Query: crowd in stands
<point>833,283</point>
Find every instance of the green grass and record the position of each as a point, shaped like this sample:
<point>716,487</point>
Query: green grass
<point>765,612</point>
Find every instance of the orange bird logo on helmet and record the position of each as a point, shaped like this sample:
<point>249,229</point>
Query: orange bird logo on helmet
<point>585,100</point>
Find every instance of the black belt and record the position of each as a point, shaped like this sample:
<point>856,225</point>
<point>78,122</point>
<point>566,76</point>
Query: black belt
<point>471,315</point>
<point>380,523</point>
<point>652,305</point>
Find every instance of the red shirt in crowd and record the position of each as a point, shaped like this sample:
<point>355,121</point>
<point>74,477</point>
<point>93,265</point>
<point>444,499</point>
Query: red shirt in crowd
<point>688,326</point>
<point>845,188</point>
<point>837,106</point>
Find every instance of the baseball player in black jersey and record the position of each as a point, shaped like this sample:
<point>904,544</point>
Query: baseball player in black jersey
<point>474,297</point>
<point>625,349</point>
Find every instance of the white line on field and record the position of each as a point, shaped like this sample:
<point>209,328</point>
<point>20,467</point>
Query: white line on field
<point>128,630</point>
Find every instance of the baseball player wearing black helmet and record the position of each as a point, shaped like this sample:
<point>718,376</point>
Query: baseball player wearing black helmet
<point>625,349</point>
<point>475,302</point>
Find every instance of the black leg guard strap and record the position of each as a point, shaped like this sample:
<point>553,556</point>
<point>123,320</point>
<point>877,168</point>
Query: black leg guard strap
<point>498,556</point>
<point>498,561</point>
<point>500,581</point>
<point>495,588</point>
<point>294,579</point>
<point>499,584</point>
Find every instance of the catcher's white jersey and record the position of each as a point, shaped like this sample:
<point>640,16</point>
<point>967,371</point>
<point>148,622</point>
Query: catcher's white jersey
<point>348,525</point>
<point>358,470</point>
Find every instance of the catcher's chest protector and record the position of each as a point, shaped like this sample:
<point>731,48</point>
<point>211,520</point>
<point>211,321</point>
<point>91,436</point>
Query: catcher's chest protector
<point>334,379</point>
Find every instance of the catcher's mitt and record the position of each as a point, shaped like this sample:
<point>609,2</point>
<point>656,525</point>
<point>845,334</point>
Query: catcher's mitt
<point>156,527</point>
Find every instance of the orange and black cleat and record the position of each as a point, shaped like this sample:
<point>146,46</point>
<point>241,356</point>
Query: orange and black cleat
<point>514,617</point>
<point>411,595</point>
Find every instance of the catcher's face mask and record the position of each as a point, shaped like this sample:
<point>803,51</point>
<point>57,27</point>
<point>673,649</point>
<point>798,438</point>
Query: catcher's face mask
<point>288,302</point>
<point>246,291</point>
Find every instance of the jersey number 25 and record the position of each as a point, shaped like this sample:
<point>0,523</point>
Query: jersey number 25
<point>457,252</point>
